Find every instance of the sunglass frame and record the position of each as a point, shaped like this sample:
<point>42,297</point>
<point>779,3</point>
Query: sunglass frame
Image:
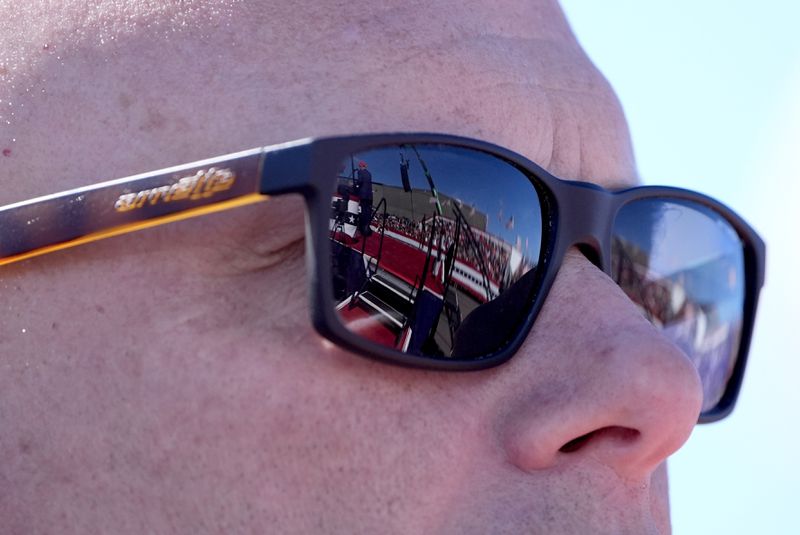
<point>575,214</point>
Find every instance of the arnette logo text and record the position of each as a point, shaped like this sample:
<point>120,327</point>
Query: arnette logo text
<point>202,185</point>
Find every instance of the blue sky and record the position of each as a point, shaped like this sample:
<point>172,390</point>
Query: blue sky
<point>711,90</point>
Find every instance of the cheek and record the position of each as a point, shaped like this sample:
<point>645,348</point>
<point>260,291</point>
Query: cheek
<point>357,434</point>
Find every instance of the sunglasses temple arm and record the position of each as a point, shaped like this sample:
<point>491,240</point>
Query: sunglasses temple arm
<point>71,218</point>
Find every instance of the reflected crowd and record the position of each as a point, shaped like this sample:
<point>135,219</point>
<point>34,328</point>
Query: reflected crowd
<point>708,340</point>
<point>491,254</point>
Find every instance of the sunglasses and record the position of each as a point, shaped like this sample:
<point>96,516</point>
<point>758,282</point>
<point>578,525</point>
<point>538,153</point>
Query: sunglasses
<point>437,251</point>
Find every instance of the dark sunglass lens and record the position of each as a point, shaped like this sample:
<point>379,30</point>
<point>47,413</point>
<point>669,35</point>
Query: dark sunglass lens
<point>433,249</point>
<point>683,264</point>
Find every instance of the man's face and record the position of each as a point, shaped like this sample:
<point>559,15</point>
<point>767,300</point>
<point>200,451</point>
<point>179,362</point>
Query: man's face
<point>170,380</point>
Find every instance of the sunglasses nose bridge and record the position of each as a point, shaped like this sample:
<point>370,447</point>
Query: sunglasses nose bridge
<point>585,220</point>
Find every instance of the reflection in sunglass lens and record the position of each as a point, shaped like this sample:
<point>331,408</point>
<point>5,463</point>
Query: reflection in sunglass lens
<point>434,248</point>
<point>683,264</point>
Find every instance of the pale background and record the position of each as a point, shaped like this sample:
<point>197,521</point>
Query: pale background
<point>711,89</point>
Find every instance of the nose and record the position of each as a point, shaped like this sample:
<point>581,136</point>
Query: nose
<point>596,379</point>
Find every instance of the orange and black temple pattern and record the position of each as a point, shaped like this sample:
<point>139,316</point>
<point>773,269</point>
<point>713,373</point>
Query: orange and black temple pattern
<point>45,224</point>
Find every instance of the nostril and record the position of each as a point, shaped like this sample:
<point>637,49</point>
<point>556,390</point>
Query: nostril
<point>575,444</point>
<point>614,433</point>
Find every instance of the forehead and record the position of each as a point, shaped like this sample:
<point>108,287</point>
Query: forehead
<point>123,88</point>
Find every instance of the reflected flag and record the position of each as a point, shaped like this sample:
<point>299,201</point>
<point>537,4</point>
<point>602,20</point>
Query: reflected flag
<point>404,174</point>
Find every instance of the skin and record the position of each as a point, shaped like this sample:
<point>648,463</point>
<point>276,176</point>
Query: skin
<point>170,380</point>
